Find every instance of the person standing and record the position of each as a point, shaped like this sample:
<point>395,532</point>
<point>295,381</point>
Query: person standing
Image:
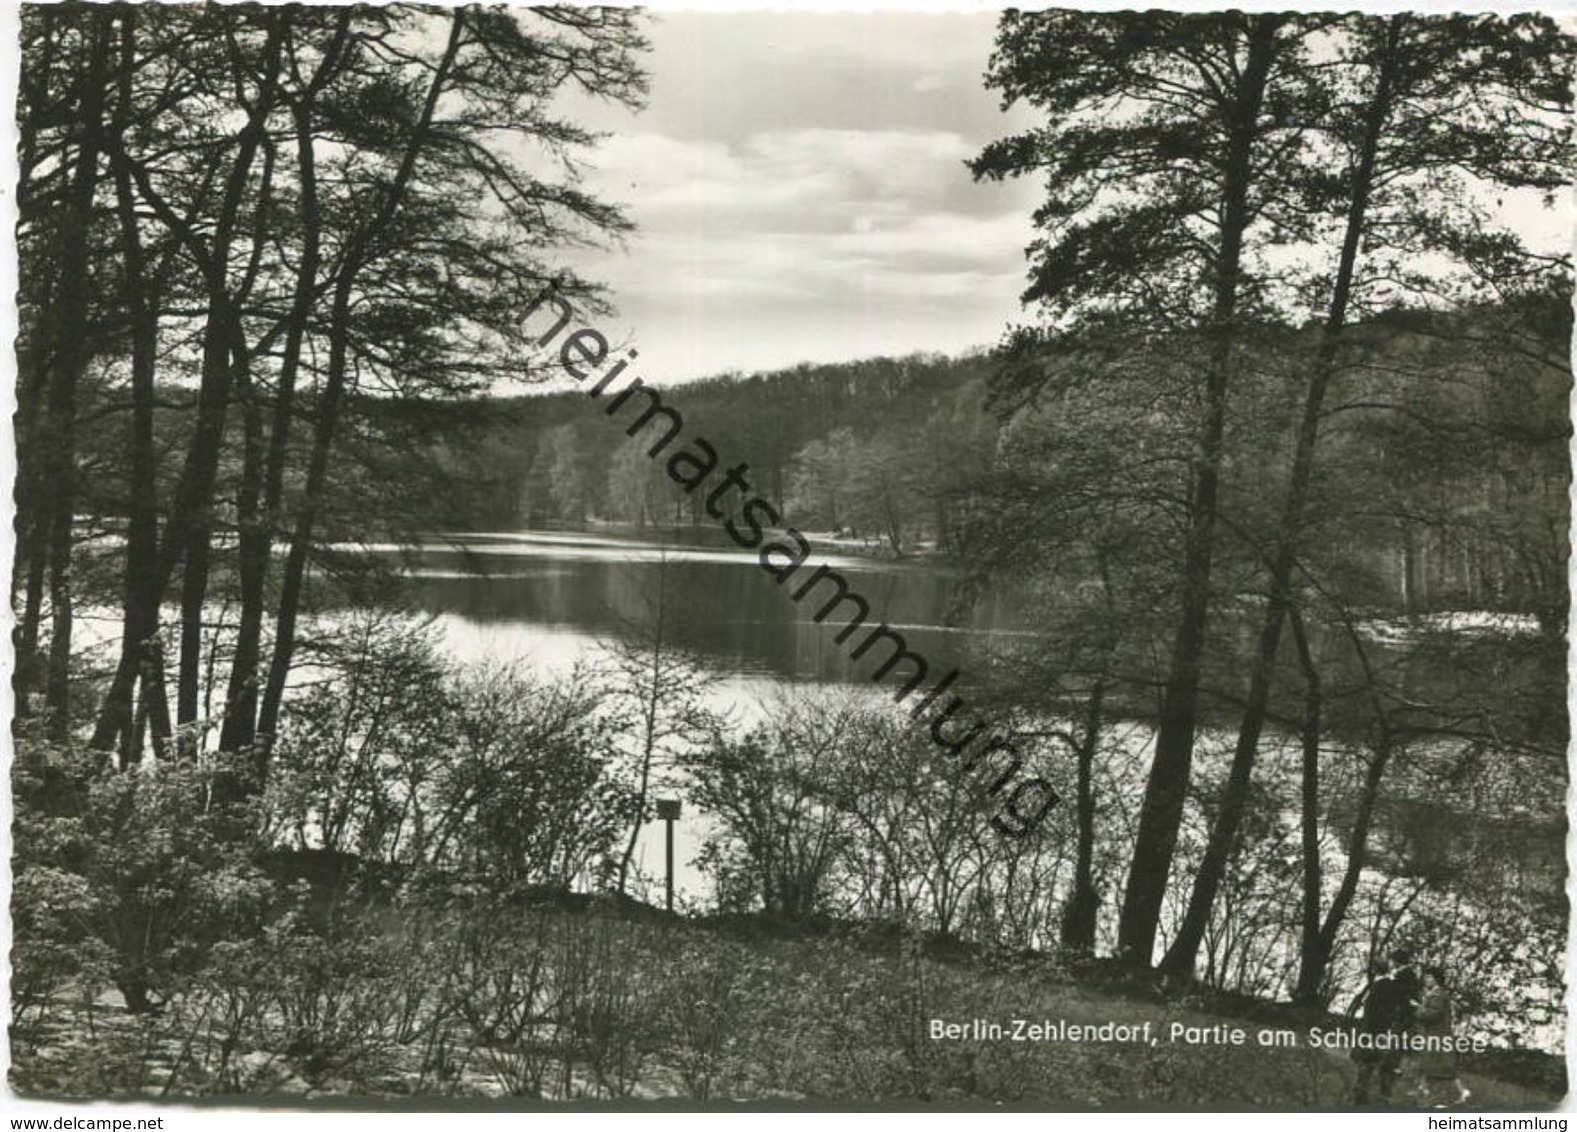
<point>1386,1010</point>
<point>1439,1084</point>
<point>1406,975</point>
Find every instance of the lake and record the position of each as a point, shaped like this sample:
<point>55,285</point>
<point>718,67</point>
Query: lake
<point>551,599</point>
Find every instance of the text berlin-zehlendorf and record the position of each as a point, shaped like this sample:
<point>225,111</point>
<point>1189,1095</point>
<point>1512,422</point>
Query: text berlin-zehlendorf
<point>581,351</point>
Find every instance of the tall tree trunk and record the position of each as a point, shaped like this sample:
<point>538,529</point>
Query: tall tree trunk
<point>240,714</point>
<point>262,522</point>
<point>1080,916</point>
<point>1161,813</point>
<point>154,694</point>
<point>190,529</point>
<point>69,360</point>
<point>1311,971</point>
<point>240,708</point>
<point>354,259</point>
<point>1315,960</point>
<point>141,585</point>
<point>294,577</point>
<point>1181,956</point>
<point>30,560</point>
<point>197,510</point>
<point>26,658</point>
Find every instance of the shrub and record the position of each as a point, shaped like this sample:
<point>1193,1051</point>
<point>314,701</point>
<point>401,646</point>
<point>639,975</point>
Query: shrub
<point>146,864</point>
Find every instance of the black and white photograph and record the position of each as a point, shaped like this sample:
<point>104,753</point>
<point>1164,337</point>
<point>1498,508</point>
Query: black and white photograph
<point>591,557</point>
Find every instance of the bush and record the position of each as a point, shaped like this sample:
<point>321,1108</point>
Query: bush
<point>145,868</point>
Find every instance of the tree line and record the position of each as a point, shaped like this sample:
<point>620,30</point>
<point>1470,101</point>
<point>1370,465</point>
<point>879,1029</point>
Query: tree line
<point>842,447</point>
<point>1208,178</point>
<point>1287,385</point>
<point>239,227</point>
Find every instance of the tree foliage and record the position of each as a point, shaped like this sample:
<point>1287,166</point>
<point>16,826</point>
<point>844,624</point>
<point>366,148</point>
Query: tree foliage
<point>1212,176</point>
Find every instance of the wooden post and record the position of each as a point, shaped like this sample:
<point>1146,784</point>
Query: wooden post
<point>668,810</point>
<point>669,834</point>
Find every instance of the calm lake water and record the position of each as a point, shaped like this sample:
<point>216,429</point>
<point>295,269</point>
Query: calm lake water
<point>554,596</point>
<point>552,599</point>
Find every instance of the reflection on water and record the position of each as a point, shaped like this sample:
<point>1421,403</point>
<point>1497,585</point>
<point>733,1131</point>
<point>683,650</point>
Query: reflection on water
<point>551,600</point>
<point>547,597</point>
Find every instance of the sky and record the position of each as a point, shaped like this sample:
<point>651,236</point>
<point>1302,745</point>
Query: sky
<point>798,184</point>
<point>799,189</point>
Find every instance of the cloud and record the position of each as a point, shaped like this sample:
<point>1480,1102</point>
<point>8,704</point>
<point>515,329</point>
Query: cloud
<point>800,192</point>
<point>790,179</point>
<point>809,213</point>
<point>726,75</point>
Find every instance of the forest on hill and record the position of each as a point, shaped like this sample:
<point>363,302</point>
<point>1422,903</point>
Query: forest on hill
<point>1461,436</point>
